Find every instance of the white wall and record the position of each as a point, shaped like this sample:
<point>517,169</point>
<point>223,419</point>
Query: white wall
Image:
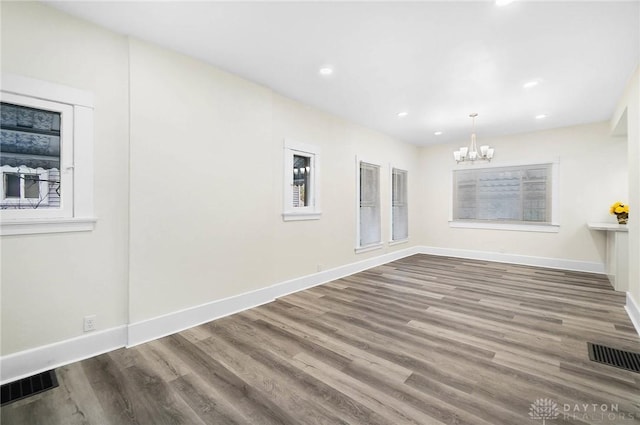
<point>592,175</point>
<point>49,282</point>
<point>207,178</point>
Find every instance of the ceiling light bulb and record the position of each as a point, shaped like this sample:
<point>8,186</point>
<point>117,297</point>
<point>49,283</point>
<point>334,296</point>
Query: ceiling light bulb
<point>541,116</point>
<point>326,71</point>
<point>530,84</point>
<point>403,114</point>
<point>438,133</point>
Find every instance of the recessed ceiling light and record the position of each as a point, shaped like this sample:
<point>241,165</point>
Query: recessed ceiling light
<point>541,116</point>
<point>503,2</point>
<point>530,84</point>
<point>438,133</point>
<point>403,114</point>
<point>325,71</point>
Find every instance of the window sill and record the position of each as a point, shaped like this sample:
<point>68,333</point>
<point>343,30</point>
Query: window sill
<point>294,216</point>
<point>398,242</point>
<point>367,248</point>
<point>55,225</point>
<point>544,228</point>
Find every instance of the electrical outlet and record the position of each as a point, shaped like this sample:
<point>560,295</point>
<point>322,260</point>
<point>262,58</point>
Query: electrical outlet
<point>90,323</point>
<point>320,267</point>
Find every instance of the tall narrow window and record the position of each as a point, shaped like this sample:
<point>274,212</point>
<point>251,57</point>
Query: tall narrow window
<point>301,181</point>
<point>512,195</point>
<point>369,205</point>
<point>301,184</point>
<point>399,206</point>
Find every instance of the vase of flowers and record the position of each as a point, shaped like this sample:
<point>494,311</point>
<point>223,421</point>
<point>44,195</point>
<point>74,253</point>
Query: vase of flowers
<point>621,211</point>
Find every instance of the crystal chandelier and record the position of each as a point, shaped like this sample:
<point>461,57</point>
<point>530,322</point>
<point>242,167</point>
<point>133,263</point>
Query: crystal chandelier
<point>471,153</point>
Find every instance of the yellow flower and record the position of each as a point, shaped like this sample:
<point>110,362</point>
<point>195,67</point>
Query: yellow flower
<point>619,208</point>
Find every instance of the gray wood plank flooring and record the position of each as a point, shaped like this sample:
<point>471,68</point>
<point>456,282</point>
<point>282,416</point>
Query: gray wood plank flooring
<point>423,340</point>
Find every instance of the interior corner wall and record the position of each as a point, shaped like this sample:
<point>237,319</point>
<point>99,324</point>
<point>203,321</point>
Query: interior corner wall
<point>51,281</point>
<point>592,175</point>
<point>207,179</point>
<point>631,103</point>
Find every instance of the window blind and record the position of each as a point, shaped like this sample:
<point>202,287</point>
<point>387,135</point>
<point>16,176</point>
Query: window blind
<point>503,194</point>
<point>370,232</point>
<point>399,205</point>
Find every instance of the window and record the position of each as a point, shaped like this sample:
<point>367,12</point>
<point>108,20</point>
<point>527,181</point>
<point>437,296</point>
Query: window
<point>369,225</point>
<point>399,206</point>
<point>29,188</point>
<point>46,169</point>
<point>29,157</point>
<point>301,178</point>
<point>520,195</point>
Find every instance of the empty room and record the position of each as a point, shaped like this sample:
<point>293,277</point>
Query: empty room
<point>320,212</point>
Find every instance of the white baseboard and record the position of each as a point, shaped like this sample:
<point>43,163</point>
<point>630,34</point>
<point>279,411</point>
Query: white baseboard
<point>552,263</point>
<point>171,323</point>
<point>26,363</point>
<point>633,311</point>
<point>29,362</point>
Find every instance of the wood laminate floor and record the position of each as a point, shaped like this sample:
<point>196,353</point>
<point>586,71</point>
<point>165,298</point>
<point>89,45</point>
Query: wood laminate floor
<point>423,340</point>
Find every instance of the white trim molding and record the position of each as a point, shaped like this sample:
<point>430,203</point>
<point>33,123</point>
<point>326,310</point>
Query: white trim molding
<point>58,225</point>
<point>526,260</point>
<point>368,248</point>
<point>40,359</point>
<point>26,86</point>
<point>634,312</point>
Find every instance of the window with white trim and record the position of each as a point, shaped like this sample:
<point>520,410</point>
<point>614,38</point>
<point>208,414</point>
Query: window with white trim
<point>510,195</point>
<point>369,218</point>
<point>46,164</point>
<point>301,181</point>
<point>30,152</point>
<point>399,205</point>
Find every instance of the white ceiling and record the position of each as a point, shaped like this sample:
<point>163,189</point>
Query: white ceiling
<point>438,61</point>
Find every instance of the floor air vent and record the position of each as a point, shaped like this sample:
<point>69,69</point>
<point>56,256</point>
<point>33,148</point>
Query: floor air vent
<point>613,357</point>
<point>26,387</point>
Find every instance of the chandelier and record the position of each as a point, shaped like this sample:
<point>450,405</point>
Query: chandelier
<point>470,154</point>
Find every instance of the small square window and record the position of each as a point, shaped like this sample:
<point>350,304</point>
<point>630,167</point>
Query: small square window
<point>46,157</point>
<point>30,144</point>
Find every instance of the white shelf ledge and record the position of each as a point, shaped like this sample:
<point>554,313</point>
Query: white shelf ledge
<point>608,227</point>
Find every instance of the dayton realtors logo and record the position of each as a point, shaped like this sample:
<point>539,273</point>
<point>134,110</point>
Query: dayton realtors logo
<point>544,409</point>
